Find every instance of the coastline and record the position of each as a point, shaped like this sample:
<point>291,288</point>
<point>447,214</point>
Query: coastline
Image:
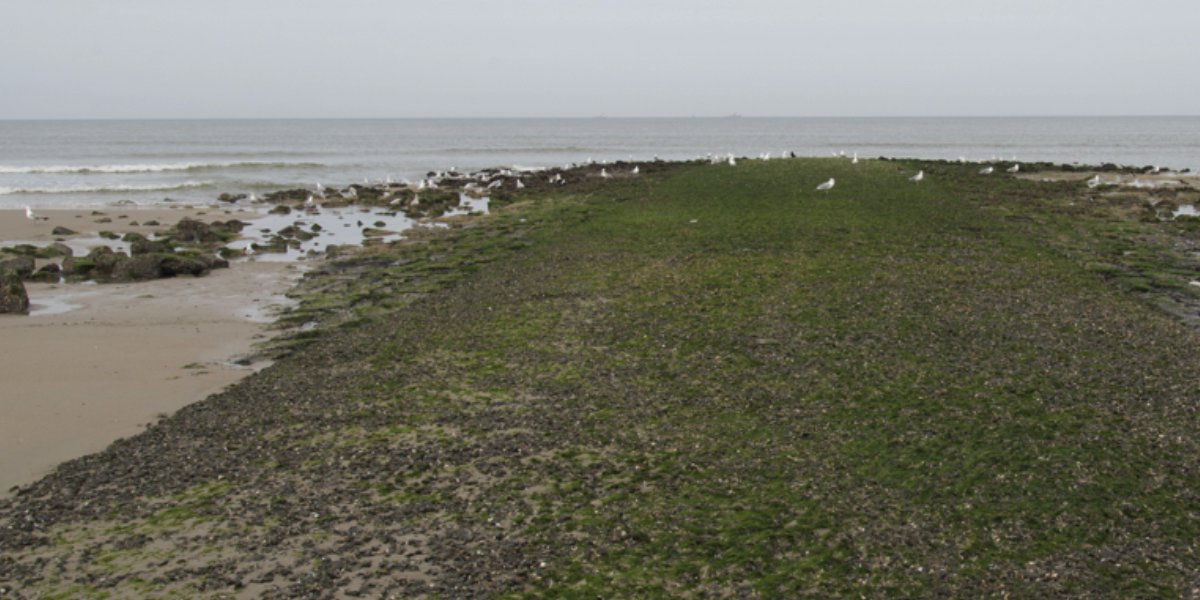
<point>93,363</point>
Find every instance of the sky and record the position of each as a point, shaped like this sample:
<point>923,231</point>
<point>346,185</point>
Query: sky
<point>123,59</point>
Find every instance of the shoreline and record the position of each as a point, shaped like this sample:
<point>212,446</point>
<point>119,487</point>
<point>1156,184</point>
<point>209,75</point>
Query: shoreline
<point>96,362</point>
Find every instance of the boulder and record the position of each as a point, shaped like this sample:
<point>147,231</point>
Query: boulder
<point>22,265</point>
<point>173,266</point>
<point>218,232</point>
<point>13,298</point>
<point>47,274</point>
<point>211,261</point>
<point>77,267</point>
<point>61,249</point>
<point>140,267</point>
<point>104,260</point>
<point>60,230</point>
<point>230,226</point>
<point>144,246</point>
<point>298,194</point>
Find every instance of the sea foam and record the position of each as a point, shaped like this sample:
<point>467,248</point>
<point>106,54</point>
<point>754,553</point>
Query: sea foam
<point>102,189</point>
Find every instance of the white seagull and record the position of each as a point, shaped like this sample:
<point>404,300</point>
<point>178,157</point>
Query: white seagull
<point>855,161</point>
<point>519,184</point>
<point>732,163</point>
<point>250,249</point>
<point>32,216</point>
<point>919,176</point>
<point>828,185</point>
<point>986,171</point>
<point>1094,182</point>
<point>1014,168</point>
<point>635,170</point>
<point>604,174</point>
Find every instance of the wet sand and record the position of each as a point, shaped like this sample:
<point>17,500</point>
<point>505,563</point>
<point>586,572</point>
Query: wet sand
<point>93,363</point>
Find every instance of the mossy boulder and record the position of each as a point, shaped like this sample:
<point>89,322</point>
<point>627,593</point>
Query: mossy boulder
<point>22,265</point>
<point>13,298</point>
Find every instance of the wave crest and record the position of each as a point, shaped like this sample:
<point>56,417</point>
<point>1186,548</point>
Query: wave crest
<point>80,189</point>
<point>147,168</point>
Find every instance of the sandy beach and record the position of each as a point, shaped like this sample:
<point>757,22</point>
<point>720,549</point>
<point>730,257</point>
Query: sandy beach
<point>93,363</point>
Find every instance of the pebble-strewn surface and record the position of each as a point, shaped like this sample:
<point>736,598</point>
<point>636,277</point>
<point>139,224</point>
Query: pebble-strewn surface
<point>704,382</point>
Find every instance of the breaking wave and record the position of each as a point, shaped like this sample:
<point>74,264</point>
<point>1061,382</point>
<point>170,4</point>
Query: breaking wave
<point>150,168</point>
<point>103,189</point>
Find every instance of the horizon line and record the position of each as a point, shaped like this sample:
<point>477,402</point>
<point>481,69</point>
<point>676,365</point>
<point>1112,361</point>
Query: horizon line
<point>598,118</point>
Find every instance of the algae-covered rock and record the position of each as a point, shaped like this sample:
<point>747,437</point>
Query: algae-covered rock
<point>77,267</point>
<point>22,265</point>
<point>104,259</point>
<point>13,298</point>
<point>140,267</point>
<point>60,249</point>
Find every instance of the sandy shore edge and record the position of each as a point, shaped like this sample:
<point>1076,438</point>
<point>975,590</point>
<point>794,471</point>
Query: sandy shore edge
<point>94,363</point>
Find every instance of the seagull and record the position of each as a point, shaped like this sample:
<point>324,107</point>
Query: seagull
<point>1094,182</point>
<point>604,174</point>
<point>32,216</point>
<point>519,184</point>
<point>828,185</point>
<point>309,202</point>
<point>732,163</point>
<point>855,161</point>
<point>1014,168</point>
<point>919,176</point>
<point>250,249</point>
<point>986,171</point>
<point>635,170</point>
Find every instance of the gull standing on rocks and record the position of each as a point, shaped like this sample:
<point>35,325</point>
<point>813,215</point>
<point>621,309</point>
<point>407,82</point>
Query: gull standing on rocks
<point>1094,182</point>
<point>986,171</point>
<point>919,176</point>
<point>32,216</point>
<point>828,185</point>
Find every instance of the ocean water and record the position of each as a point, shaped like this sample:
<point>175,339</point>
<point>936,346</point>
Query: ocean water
<point>61,164</point>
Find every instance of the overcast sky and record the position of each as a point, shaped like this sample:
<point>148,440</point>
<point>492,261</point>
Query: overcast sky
<point>643,58</point>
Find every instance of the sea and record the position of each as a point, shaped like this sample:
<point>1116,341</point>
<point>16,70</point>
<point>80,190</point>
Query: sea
<point>70,164</point>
